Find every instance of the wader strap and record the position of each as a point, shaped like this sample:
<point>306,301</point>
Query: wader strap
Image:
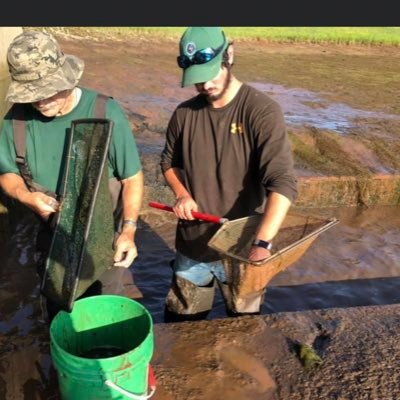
<point>19,128</point>
<point>100,106</point>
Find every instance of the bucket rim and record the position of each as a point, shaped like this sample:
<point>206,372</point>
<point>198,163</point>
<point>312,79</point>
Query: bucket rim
<point>56,347</point>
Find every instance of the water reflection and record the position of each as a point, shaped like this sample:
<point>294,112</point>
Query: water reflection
<point>302,107</point>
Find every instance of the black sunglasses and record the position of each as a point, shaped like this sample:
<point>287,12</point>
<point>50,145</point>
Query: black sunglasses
<point>200,56</point>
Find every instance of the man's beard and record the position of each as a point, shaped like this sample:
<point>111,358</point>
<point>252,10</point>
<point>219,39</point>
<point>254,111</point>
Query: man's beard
<point>212,98</point>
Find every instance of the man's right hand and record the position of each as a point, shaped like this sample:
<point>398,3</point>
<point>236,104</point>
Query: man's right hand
<point>41,204</point>
<point>14,186</point>
<point>184,206</point>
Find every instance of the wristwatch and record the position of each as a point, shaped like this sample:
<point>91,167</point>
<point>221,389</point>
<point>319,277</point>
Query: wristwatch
<point>262,243</point>
<point>130,222</point>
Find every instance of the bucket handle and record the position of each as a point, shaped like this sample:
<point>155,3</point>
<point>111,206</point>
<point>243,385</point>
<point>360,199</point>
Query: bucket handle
<point>151,384</point>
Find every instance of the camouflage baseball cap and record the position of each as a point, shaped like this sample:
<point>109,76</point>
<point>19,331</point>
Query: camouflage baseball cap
<point>39,69</point>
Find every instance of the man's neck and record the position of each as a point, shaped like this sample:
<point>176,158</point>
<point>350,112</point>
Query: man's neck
<point>70,102</point>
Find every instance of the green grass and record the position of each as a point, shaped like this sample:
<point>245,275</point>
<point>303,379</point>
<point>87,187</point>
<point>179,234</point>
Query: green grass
<point>338,35</point>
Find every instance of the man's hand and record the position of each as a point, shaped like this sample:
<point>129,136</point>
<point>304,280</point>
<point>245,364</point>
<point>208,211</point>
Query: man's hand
<point>41,204</point>
<point>258,253</point>
<point>184,206</point>
<point>126,250</point>
<point>14,186</point>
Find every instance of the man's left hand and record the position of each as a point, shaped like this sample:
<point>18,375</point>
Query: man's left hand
<point>258,253</point>
<point>126,251</point>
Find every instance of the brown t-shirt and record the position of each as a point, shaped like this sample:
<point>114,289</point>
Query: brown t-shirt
<point>231,158</point>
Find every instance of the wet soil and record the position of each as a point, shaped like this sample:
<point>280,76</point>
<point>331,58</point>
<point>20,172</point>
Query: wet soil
<point>340,298</point>
<point>343,115</point>
<point>343,118</point>
<point>257,358</point>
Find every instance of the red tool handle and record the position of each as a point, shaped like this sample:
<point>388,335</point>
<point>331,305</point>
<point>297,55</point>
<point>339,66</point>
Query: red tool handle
<point>197,215</point>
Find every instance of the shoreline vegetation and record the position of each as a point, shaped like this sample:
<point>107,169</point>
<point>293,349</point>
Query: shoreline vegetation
<point>369,36</point>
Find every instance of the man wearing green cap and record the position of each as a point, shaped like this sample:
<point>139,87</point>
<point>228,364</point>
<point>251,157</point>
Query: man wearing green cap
<point>46,96</point>
<point>227,153</point>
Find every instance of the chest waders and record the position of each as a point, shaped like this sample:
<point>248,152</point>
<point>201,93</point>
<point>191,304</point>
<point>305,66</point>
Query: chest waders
<point>73,262</point>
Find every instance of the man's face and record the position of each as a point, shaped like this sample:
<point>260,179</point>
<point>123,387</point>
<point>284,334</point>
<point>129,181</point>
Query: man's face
<point>215,89</point>
<point>52,106</point>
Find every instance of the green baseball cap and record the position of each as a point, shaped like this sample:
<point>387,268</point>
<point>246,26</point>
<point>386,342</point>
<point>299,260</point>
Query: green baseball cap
<point>210,39</point>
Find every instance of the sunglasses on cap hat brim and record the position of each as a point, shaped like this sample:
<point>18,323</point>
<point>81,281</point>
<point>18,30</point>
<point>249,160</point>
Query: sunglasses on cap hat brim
<point>200,56</point>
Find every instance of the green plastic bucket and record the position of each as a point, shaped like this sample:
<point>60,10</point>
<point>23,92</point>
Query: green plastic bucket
<point>102,349</point>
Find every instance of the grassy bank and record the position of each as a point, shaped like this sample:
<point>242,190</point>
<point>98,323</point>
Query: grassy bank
<point>338,35</point>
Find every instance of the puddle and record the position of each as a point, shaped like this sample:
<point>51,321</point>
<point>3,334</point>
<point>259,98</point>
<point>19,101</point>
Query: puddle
<point>365,254</point>
<point>302,107</point>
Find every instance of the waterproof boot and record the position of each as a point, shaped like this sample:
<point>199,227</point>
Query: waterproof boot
<point>238,306</point>
<point>186,301</point>
<point>170,316</point>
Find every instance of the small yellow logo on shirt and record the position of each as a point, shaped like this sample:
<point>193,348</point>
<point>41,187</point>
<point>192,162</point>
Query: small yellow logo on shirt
<point>237,128</point>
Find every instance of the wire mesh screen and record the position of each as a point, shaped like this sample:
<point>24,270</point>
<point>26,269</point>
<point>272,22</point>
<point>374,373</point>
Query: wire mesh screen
<point>81,249</point>
<point>233,241</point>
<point>234,238</point>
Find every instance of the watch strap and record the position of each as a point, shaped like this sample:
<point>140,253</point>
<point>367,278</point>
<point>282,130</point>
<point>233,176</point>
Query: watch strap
<point>262,243</point>
<point>130,222</point>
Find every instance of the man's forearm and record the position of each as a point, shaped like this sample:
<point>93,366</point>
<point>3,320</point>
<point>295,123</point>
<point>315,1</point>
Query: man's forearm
<point>173,176</point>
<point>132,196</point>
<point>14,186</point>
<point>275,212</point>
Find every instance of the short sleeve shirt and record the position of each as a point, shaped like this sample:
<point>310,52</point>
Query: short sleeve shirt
<point>46,142</point>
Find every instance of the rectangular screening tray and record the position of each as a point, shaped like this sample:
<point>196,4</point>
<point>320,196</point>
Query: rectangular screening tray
<point>81,249</point>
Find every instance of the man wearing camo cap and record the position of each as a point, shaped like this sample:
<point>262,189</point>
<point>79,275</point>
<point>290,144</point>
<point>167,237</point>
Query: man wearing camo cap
<point>44,81</point>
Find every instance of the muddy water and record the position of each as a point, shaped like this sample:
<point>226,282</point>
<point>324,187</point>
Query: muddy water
<point>333,90</point>
<point>354,263</point>
<point>303,107</point>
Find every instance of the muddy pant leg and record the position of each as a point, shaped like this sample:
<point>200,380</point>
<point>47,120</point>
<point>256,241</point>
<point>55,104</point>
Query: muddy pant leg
<point>186,301</point>
<point>245,305</point>
<point>192,290</point>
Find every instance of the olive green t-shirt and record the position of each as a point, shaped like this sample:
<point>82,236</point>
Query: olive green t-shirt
<point>231,158</point>
<point>46,142</point>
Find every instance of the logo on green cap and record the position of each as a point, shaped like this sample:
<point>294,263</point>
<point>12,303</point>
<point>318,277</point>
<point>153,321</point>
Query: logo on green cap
<point>190,48</point>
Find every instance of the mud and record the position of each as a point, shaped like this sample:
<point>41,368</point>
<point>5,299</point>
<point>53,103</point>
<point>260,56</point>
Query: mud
<point>341,297</point>
<point>343,116</point>
<point>255,358</point>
